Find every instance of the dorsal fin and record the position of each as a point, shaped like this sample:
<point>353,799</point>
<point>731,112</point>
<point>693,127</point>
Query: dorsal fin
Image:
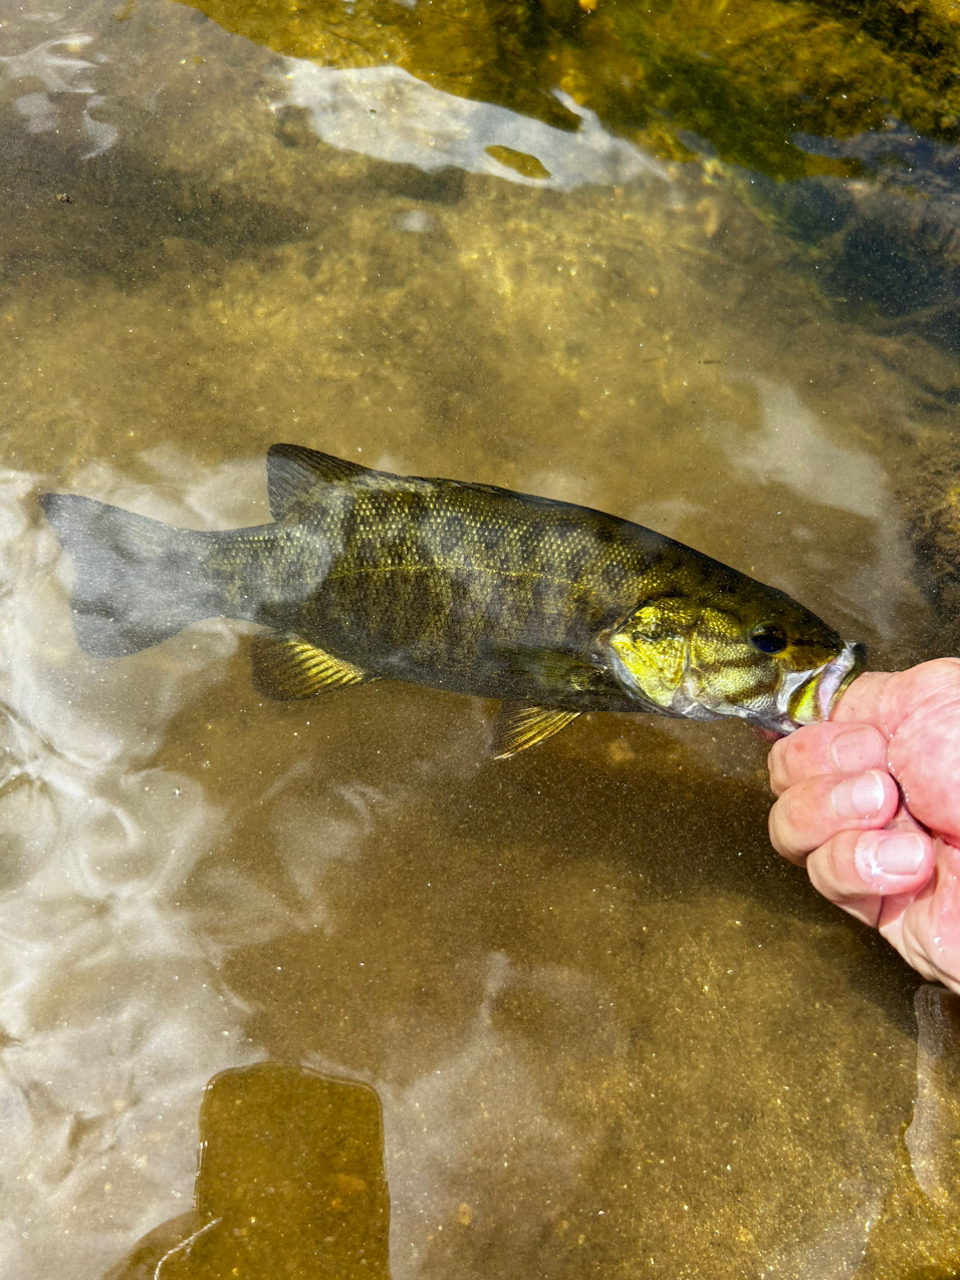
<point>293,472</point>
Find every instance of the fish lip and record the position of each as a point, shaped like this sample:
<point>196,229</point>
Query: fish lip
<point>837,675</point>
<point>821,689</point>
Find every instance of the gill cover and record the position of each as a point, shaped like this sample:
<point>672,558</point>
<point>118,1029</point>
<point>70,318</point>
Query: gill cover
<point>650,650</point>
<point>688,659</point>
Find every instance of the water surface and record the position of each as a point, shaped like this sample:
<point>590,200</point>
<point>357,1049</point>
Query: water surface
<point>610,1032</point>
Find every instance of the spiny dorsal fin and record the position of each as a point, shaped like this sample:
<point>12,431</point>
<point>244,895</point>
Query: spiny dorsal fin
<point>293,472</point>
<point>518,726</point>
<point>285,666</point>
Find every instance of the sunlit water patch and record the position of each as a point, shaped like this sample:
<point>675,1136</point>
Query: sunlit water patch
<point>56,84</point>
<point>387,113</point>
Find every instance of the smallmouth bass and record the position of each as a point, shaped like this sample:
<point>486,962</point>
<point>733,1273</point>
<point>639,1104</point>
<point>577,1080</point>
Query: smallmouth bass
<point>552,607</point>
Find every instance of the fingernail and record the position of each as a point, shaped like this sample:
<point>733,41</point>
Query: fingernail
<point>857,749</point>
<point>880,854</point>
<point>858,797</point>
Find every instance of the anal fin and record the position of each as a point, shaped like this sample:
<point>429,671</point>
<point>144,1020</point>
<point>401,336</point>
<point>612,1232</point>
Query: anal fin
<point>284,666</point>
<point>519,726</point>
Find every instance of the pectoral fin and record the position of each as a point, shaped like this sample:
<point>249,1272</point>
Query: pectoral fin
<point>552,669</point>
<point>285,666</point>
<point>518,726</point>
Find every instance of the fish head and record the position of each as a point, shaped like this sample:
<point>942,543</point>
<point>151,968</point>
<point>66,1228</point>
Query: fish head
<point>717,643</point>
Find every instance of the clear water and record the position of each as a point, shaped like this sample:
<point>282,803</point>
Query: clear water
<point>610,1032</point>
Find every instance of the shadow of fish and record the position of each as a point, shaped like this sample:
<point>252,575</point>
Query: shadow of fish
<point>554,608</point>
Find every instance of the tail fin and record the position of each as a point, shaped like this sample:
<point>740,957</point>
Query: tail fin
<point>137,581</point>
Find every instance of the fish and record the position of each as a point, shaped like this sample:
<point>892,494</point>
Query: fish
<point>553,608</point>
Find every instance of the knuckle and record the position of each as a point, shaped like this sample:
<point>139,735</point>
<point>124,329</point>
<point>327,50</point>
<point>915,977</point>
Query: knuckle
<point>785,836</point>
<point>833,870</point>
<point>800,756</point>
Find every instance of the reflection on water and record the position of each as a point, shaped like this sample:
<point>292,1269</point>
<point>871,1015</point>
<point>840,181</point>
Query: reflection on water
<point>751,84</point>
<point>609,1030</point>
<point>793,450</point>
<point>385,112</point>
<point>60,74</point>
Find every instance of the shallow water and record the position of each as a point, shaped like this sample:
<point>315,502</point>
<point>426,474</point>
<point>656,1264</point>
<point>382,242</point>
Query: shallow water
<point>608,1029</point>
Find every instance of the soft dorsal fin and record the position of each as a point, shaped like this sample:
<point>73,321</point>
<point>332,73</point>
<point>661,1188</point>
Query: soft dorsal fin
<point>293,472</point>
<point>519,726</point>
<point>284,666</point>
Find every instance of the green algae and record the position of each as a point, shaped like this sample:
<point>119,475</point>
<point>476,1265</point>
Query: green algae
<point>749,77</point>
<point>743,79</point>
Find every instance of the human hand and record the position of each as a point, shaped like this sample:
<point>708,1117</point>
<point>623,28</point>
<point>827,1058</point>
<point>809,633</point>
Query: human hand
<point>887,853</point>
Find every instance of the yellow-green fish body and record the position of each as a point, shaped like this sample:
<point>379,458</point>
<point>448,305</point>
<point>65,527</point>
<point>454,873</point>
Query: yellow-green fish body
<point>553,607</point>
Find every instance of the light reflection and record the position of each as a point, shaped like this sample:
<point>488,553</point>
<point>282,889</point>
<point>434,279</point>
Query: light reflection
<point>110,1008</point>
<point>479,1118</point>
<point>59,75</point>
<point>387,113</point>
<point>793,448</point>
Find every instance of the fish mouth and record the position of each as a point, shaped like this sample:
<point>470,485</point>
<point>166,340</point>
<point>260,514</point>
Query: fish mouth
<point>813,698</point>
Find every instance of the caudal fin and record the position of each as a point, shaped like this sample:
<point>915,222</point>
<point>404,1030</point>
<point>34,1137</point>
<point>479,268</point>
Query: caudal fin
<point>137,581</point>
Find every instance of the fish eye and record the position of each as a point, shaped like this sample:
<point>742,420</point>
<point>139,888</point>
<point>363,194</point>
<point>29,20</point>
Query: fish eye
<point>768,638</point>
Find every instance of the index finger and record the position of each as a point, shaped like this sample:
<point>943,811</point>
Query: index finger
<point>825,748</point>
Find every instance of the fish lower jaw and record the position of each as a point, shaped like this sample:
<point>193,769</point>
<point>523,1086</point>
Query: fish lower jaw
<point>838,675</point>
<point>809,697</point>
<point>686,702</point>
<point>691,701</point>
